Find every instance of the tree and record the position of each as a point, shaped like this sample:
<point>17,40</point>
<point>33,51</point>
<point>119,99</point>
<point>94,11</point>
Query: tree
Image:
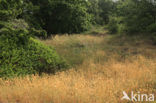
<point>101,10</point>
<point>106,7</point>
<point>65,16</point>
<point>138,15</point>
<point>10,9</point>
<point>94,10</point>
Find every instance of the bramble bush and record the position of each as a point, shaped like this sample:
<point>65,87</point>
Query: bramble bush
<point>21,54</point>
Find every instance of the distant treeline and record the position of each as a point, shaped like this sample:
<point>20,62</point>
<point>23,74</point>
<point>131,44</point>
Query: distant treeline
<point>76,16</point>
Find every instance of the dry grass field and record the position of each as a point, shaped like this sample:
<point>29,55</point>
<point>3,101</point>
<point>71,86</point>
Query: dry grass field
<point>102,67</point>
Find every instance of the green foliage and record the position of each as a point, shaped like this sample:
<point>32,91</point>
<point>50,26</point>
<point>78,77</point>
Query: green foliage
<point>113,25</point>
<point>94,10</point>
<point>151,28</point>
<point>10,9</point>
<point>20,54</point>
<point>106,7</point>
<point>100,10</point>
<point>154,38</point>
<point>29,14</point>
<point>138,16</point>
<point>65,16</point>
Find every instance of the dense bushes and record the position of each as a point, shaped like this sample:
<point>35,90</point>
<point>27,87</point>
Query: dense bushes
<point>151,28</point>
<point>113,25</point>
<point>100,10</point>
<point>9,9</point>
<point>65,16</point>
<point>138,16</point>
<point>20,54</point>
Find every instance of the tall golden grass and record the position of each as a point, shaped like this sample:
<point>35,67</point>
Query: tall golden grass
<point>89,82</point>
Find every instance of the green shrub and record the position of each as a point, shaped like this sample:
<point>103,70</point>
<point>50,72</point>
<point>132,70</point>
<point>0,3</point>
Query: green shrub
<point>113,25</point>
<point>138,16</point>
<point>10,9</point>
<point>151,28</point>
<point>20,54</point>
<point>62,16</point>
